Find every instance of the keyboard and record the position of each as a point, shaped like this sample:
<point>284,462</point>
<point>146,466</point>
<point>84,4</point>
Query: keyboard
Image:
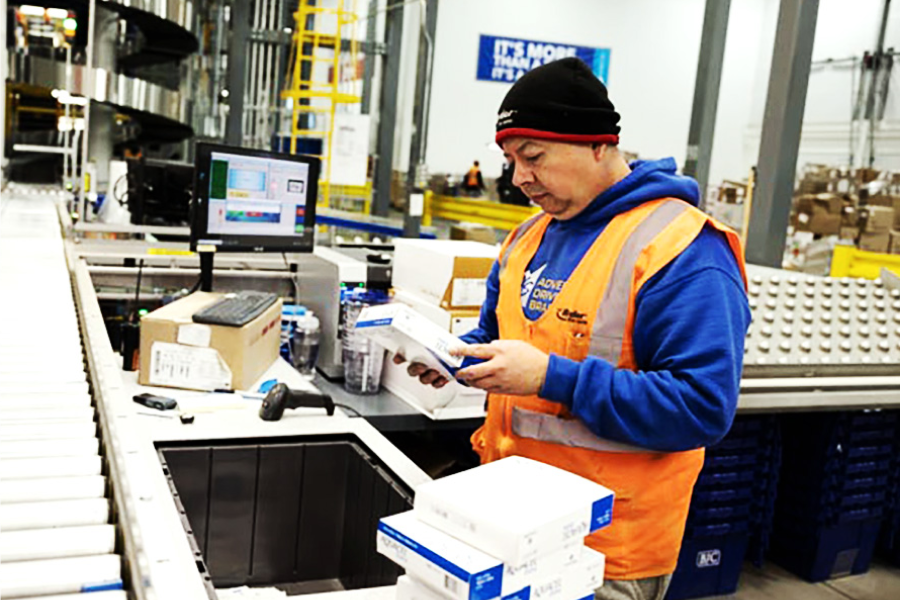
<point>236,310</point>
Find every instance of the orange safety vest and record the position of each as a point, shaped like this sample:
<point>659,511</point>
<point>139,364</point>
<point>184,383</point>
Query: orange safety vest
<point>472,177</point>
<point>593,315</point>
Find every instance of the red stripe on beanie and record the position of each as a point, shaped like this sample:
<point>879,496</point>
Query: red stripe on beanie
<point>601,138</point>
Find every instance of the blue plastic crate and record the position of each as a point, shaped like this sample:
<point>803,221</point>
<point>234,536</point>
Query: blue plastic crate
<point>741,512</point>
<point>827,553</point>
<point>708,566</point>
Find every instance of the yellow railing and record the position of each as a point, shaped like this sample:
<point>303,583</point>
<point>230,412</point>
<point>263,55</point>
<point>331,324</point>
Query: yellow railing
<point>475,210</point>
<point>853,262</point>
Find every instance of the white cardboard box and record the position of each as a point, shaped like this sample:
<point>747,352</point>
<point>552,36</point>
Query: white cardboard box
<point>453,401</point>
<point>457,321</point>
<point>401,330</point>
<point>515,509</point>
<point>461,572</point>
<point>449,273</point>
<point>573,583</point>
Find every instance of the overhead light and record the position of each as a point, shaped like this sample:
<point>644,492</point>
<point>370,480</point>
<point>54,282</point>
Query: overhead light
<point>57,13</point>
<point>70,124</point>
<point>31,10</point>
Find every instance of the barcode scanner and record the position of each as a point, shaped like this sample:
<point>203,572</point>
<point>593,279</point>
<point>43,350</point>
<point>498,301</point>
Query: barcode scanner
<point>281,397</point>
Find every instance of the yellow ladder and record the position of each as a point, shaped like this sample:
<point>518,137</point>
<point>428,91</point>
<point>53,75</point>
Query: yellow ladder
<point>323,51</point>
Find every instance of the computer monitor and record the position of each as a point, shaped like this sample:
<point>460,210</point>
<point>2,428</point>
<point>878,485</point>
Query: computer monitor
<point>254,201</point>
<point>159,191</point>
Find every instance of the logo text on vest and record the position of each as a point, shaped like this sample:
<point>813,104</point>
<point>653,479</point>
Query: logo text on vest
<point>571,316</point>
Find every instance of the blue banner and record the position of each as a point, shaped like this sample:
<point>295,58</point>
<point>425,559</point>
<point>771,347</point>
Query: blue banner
<point>507,59</point>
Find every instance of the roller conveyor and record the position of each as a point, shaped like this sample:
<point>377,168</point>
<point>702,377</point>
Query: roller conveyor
<point>58,531</point>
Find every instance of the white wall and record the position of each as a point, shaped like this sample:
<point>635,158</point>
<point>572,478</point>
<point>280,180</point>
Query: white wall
<point>652,68</point>
<point>654,50</point>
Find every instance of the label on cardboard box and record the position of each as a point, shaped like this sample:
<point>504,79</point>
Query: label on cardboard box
<point>176,365</point>
<point>468,292</point>
<point>195,334</point>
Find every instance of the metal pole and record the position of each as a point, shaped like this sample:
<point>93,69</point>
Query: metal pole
<point>706,94</point>
<point>237,66</point>
<point>783,122</point>
<point>412,221</point>
<point>877,65</point>
<point>86,112</point>
<point>4,67</point>
<point>387,121</point>
<point>369,63</point>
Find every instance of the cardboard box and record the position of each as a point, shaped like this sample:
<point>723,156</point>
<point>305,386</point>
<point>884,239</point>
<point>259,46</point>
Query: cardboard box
<point>176,352</point>
<point>457,321</point>
<point>475,232</point>
<point>515,509</point>
<point>401,330</point>
<point>460,571</point>
<point>849,216</point>
<point>573,583</point>
<point>876,219</point>
<point>453,401</point>
<point>874,242</point>
<point>849,233</point>
<point>818,220</point>
<point>895,242</point>
<point>449,273</point>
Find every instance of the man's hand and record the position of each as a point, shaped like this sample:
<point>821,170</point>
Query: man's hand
<point>426,376</point>
<point>511,367</point>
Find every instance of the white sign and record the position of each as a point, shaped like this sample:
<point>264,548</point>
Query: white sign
<point>350,149</point>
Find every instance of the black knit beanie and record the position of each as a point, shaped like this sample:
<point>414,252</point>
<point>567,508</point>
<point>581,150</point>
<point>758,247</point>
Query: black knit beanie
<point>562,100</point>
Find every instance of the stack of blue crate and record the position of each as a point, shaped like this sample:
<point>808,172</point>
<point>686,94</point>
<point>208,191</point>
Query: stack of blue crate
<point>731,509</point>
<point>834,492</point>
<point>890,527</point>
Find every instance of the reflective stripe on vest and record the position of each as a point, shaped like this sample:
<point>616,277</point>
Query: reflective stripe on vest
<point>516,236</point>
<point>565,432</point>
<point>609,325</point>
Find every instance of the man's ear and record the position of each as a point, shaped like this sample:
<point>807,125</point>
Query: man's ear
<point>600,151</point>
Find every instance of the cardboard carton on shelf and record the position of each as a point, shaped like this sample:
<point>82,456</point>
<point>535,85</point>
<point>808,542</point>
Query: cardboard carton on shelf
<point>876,219</point>
<point>449,273</point>
<point>849,233</point>
<point>475,232</point>
<point>895,242</point>
<point>874,242</point>
<point>176,352</point>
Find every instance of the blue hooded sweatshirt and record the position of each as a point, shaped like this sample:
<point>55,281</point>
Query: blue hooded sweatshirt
<point>690,323</point>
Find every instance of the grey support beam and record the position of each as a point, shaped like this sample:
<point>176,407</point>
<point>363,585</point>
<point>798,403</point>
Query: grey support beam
<point>237,67</point>
<point>706,93</point>
<point>782,124</point>
<point>413,223</point>
<point>387,119</point>
<point>369,62</point>
<point>4,66</point>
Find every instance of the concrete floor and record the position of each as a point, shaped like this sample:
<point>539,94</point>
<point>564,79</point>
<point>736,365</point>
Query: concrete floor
<point>882,582</point>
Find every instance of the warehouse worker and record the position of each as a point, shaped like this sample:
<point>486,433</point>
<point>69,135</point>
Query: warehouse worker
<point>473,182</point>
<point>613,330</point>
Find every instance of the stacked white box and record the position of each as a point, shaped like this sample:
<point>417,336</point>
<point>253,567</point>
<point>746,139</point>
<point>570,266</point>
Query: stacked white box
<point>515,508</point>
<point>443,565</point>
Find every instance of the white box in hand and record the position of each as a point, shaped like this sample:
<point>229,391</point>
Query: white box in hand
<point>459,571</point>
<point>515,508</point>
<point>402,330</point>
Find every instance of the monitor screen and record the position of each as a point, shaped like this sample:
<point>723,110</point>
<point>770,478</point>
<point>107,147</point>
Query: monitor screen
<point>254,201</point>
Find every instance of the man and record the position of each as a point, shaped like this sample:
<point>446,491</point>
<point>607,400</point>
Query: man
<point>473,183</point>
<point>613,332</point>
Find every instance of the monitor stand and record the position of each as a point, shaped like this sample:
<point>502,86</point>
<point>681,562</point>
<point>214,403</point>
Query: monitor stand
<point>206,269</point>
